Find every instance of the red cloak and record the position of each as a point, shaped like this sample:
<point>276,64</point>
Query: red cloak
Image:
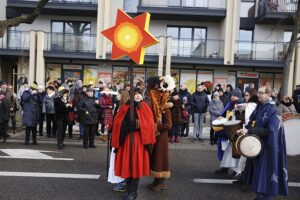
<point>146,135</point>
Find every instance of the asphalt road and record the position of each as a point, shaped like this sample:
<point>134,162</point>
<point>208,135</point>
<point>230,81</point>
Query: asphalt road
<point>189,160</point>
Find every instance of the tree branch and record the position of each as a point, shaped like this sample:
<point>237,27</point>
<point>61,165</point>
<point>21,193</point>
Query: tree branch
<point>22,19</point>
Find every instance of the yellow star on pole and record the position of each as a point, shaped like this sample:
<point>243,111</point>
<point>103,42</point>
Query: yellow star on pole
<point>130,36</point>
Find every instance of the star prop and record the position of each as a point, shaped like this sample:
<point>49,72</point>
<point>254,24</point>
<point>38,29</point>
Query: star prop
<point>130,36</point>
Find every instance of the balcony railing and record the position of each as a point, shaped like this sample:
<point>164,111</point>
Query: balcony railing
<point>266,6</point>
<point>261,50</point>
<point>64,42</point>
<point>217,4</point>
<point>198,48</point>
<point>151,51</point>
<point>62,1</point>
<point>18,40</point>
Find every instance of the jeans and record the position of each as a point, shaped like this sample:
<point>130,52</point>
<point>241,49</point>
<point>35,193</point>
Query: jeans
<point>81,129</point>
<point>263,196</point>
<point>198,125</point>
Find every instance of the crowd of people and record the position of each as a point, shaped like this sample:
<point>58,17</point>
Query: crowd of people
<point>101,110</point>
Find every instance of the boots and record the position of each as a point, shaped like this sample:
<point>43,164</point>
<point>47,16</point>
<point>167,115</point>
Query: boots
<point>160,184</point>
<point>222,170</point>
<point>103,138</point>
<point>176,139</point>
<point>132,185</point>
<point>27,135</point>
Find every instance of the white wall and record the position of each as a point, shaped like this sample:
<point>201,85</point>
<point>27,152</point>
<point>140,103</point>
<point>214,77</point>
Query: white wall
<point>43,22</point>
<point>270,33</point>
<point>2,9</point>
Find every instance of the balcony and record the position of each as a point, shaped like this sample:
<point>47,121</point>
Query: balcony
<point>198,51</point>
<point>260,53</point>
<point>15,43</point>
<point>53,7</point>
<point>197,10</point>
<point>70,45</point>
<point>151,54</point>
<point>275,11</point>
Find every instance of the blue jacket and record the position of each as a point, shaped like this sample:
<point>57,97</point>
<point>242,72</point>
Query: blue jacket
<point>30,109</point>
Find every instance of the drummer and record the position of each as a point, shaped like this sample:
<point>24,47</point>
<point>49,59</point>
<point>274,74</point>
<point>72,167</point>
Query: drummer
<point>224,147</point>
<point>267,173</point>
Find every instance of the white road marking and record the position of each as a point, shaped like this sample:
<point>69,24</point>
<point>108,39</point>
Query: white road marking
<point>223,181</point>
<point>50,175</point>
<point>30,154</point>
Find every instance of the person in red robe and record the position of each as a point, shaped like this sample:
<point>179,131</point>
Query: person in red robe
<point>132,143</point>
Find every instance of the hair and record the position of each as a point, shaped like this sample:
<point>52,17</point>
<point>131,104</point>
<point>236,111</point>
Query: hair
<point>268,89</point>
<point>124,97</point>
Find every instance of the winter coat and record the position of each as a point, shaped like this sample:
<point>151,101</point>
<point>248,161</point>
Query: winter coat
<point>41,97</point>
<point>296,97</point>
<point>215,109</point>
<point>187,109</point>
<point>4,109</point>
<point>281,108</point>
<point>48,104</point>
<point>76,101</point>
<point>30,109</point>
<point>106,111</point>
<point>88,104</point>
<point>184,93</point>
<point>61,110</point>
<point>176,112</point>
<point>199,102</point>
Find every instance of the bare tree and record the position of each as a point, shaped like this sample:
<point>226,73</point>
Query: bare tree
<point>22,19</point>
<point>290,51</point>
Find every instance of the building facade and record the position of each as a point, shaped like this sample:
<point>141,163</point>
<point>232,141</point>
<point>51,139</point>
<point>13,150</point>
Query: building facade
<point>222,41</point>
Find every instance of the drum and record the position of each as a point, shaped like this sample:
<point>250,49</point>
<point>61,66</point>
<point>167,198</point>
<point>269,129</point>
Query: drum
<point>291,123</point>
<point>231,128</point>
<point>217,124</point>
<point>248,146</point>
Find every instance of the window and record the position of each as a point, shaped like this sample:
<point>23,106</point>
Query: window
<point>245,44</point>
<point>70,35</point>
<point>287,35</point>
<point>186,39</point>
<point>247,8</point>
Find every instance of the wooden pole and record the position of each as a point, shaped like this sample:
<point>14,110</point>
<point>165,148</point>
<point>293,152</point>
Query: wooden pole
<point>131,114</point>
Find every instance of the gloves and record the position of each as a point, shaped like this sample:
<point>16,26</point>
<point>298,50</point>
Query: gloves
<point>116,150</point>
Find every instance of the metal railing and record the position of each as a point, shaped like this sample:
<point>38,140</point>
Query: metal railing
<point>198,48</point>
<point>277,6</point>
<point>65,42</point>
<point>218,4</point>
<point>19,40</point>
<point>260,50</point>
<point>152,50</point>
<point>62,1</point>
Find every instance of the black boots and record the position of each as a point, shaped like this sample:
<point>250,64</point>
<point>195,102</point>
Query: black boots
<point>132,184</point>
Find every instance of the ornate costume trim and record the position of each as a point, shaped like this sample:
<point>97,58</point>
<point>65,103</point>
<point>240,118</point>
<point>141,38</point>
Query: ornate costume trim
<point>163,174</point>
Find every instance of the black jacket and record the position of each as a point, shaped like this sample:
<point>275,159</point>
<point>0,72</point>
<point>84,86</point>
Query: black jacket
<point>199,102</point>
<point>87,104</point>
<point>4,110</point>
<point>61,110</point>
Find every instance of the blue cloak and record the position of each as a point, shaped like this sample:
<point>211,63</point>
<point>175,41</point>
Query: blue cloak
<point>267,173</point>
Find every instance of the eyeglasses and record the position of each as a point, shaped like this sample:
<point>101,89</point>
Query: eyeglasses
<point>260,93</point>
<point>246,95</point>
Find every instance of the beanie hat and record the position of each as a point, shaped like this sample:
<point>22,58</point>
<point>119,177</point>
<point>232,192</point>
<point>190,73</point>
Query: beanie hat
<point>237,93</point>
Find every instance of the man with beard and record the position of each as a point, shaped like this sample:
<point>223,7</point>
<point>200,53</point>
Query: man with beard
<point>132,140</point>
<point>267,173</point>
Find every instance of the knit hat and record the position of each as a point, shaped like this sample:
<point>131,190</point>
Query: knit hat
<point>216,94</point>
<point>40,87</point>
<point>34,86</point>
<point>237,93</point>
<point>184,99</point>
